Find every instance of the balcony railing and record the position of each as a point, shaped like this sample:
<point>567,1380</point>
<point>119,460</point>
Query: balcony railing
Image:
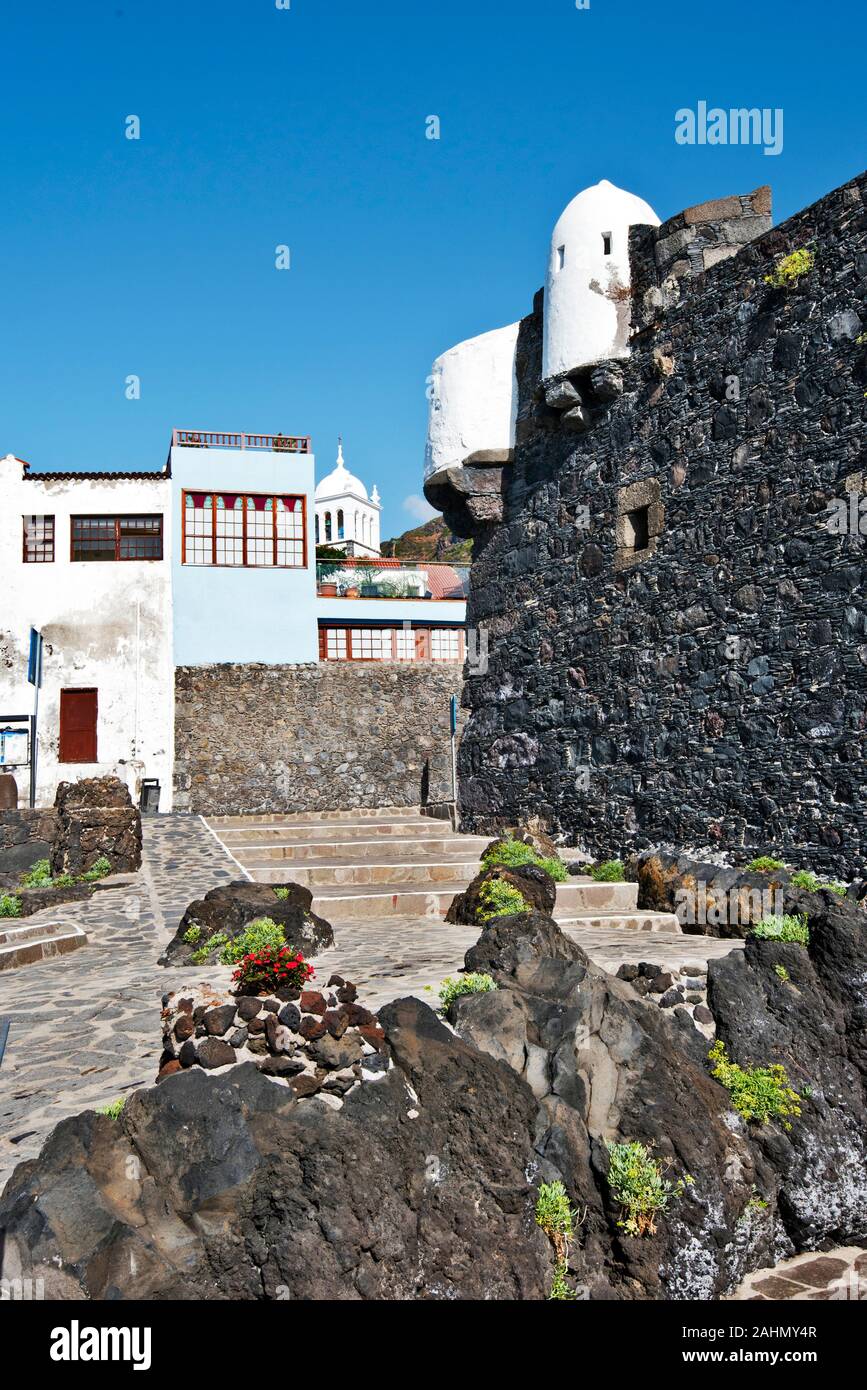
<point>391,579</point>
<point>215,439</point>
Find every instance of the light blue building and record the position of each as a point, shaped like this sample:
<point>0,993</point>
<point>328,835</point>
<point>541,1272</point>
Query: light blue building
<point>243,559</point>
<point>246,586</point>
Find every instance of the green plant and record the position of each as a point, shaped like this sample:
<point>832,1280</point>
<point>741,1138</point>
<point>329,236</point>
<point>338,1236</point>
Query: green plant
<point>789,269</point>
<point>270,969</point>
<point>467,984</point>
<point>554,867</point>
<point>802,878</point>
<point>839,888</point>
<point>611,871</point>
<point>554,1216</point>
<point>213,943</point>
<point>755,1203</point>
<point>782,973</point>
<point>783,928</point>
<point>263,934</point>
<point>758,1093</point>
<point>281,893</point>
<point>98,869</point>
<point>513,854</point>
<point>638,1183</point>
<point>510,853</point>
<point>10,906</point>
<point>113,1109</point>
<point>764,864</point>
<point>499,899</point>
<point>191,935</point>
<point>38,875</point>
<point>63,881</point>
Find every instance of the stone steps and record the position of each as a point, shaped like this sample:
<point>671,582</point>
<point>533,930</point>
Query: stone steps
<point>375,875</point>
<point>26,945</point>
<point>579,896</point>
<point>636,920</point>
<point>358,814</point>
<point>397,864</point>
<point>284,834</point>
<point>347,852</point>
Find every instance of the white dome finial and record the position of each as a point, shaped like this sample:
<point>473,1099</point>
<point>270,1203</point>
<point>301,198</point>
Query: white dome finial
<point>340,463</point>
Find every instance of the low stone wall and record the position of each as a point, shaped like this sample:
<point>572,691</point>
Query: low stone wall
<point>25,837</point>
<point>36,899</point>
<point>255,738</point>
<point>317,1042</point>
<point>97,820</point>
<point>91,819</point>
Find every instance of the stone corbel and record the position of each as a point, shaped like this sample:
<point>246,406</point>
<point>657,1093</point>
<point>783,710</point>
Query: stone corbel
<point>470,495</point>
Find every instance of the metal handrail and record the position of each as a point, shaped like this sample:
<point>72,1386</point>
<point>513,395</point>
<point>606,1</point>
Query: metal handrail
<point>217,439</point>
<point>396,575</point>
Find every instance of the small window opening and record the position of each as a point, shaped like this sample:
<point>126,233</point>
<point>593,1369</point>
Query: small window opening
<point>606,243</point>
<point>637,529</point>
<point>561,257</point>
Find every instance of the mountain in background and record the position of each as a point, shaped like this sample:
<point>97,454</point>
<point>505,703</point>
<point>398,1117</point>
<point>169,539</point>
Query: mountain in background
<point>432,541</point>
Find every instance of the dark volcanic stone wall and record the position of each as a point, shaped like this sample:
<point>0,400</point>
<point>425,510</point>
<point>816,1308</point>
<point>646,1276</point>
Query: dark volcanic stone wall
<point>317,738</point>
<point>25,837</point>
<point>715,690</point>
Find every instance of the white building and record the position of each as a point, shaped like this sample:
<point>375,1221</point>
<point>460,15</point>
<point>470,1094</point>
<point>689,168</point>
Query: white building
<point>209,562</point>
<point>473,396</point>
<point>346,518</point>
<point>86,559</point>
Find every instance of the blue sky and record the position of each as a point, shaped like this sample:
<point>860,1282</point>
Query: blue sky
<point>306,127</point>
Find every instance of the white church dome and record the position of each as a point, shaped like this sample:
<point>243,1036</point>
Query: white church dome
<point>586,309</point>
<point>340,482</point>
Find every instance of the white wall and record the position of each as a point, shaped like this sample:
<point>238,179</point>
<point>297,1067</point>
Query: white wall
<point>106,625</point>
<point>587,313</point>
<point>473,399</point>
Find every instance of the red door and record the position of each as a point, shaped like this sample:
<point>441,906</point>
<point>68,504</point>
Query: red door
<point>78,726</point>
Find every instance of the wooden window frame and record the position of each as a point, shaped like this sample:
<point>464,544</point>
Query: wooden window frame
<point>117,518</point>
<point>421,634</point>
<point>33,559</point>
<point>274,498</point>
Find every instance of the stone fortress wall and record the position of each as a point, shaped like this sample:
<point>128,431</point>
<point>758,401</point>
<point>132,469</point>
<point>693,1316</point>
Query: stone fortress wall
<point>677,635</point>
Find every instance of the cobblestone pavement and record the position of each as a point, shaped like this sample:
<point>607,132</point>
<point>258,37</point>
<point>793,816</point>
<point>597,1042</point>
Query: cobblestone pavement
<point>839,1274</point>
<point>66,1014</point>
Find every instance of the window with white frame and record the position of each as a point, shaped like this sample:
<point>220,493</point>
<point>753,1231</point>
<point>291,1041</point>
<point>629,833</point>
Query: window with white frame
<point>244,529</point>
<point>390,644</point>
<point>335,643</point>
<point>38,540</point>
<point>445,644</point>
